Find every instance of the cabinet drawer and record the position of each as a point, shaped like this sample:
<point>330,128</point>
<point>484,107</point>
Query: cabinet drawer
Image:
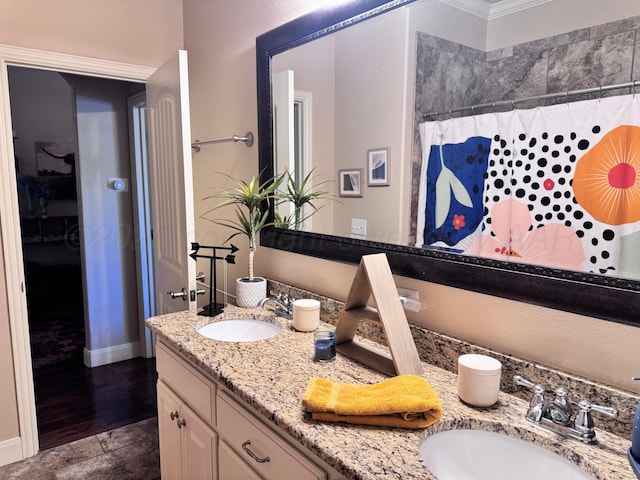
<point>248,437</point>
<point>195,390</point>
<point>231,466</point>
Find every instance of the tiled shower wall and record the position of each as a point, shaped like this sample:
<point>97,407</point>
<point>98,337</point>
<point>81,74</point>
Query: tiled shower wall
<point>451,76</point>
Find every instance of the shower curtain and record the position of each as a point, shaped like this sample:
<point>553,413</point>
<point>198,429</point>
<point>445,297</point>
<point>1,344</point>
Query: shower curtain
<point>557,186</point>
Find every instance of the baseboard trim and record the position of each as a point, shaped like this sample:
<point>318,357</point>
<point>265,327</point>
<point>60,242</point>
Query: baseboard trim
<point>10,451</point>
<point>117,353</point>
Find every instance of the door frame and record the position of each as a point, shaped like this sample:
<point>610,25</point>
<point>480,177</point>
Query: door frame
<point>137,112</point>
<point>10,219</point>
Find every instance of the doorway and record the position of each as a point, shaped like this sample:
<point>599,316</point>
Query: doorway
<point>45,144</point>
<point>76,203</point>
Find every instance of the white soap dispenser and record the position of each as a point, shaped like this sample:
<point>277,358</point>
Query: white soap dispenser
<point>634,451</point>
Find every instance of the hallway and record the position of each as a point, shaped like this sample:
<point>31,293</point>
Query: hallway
<point>73,401</point>
<point>94,423</point>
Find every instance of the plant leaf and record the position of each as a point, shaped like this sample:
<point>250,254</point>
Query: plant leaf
<point>443,196</point>
<point>460,192</point>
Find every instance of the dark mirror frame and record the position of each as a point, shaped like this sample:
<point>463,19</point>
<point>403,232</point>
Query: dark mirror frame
<point>608,298</point>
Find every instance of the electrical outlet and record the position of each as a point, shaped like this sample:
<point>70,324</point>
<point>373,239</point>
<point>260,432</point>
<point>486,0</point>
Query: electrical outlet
<point>358,226</point>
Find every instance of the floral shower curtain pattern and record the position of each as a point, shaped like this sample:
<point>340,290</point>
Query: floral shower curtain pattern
<point>557,186</point>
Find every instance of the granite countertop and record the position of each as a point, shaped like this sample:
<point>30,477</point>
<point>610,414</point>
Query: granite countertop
<point>271,376</point>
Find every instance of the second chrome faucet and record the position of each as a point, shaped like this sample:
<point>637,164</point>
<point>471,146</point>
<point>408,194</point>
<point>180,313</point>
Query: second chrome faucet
<point>283,304</point>
<point>558,415</point>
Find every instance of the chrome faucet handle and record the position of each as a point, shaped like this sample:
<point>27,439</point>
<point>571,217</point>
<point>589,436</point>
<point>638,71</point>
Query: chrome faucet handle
<point>561,398</point>
<point>584,421</point>
<point>281,297</point>
<point>520,380</point>
<point>536,404</point>
<point>559,411</point>
<point>287,301</point>
<point>536,387</point>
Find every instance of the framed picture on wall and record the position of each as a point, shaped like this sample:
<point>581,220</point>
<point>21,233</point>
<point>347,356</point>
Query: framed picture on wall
<point>378,167</point>
<point>350,182</point>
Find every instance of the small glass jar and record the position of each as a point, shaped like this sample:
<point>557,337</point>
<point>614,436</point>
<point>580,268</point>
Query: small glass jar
<point>325,345</point>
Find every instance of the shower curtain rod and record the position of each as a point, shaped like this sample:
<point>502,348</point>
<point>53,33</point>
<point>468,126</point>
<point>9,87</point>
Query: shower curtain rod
<point>247,139</point>
<point>537,98</point>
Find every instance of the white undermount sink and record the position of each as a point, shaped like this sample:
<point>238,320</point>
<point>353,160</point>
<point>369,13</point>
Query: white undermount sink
<point>481,455</point>
<point>241,330</point>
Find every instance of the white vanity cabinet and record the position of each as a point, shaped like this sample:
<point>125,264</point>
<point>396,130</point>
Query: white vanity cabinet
<point>187,444</point>
<point>205,433</point>
<point>186,408</point>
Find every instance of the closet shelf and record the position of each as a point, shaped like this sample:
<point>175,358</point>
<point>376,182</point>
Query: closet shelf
<point>50,229</point>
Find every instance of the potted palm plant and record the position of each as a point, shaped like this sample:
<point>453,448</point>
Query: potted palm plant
<point>251,216</point>
<point>302,196</point>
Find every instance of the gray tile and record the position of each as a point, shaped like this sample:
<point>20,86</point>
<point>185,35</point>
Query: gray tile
<point>45,462</point>
<point>133,462</point>
<point>86,447</point>
<point>142,460</point>
<point>602,61</point>
<point>103,467</point>
<point>517,76</point>
<point>607,29</point>
<point>129,452</point>
<point>145,432</point>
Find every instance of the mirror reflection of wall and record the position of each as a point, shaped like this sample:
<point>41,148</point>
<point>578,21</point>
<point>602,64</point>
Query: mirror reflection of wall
<point>381,76</point>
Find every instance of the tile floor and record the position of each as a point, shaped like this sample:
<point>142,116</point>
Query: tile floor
<point>126,453</point>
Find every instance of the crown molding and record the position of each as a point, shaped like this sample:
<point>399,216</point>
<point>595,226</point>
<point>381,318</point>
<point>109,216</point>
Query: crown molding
<point>62,62</point>
<point>488,11</point>
<point>507,7</point>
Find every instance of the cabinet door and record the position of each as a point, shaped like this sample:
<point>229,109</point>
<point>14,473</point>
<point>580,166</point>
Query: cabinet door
<point>170,451</point>
<point>199,444</point>
<point>232,466</point>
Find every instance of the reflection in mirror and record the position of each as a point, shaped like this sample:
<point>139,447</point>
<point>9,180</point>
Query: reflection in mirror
<point>429,65</point>
<point>357,77</point>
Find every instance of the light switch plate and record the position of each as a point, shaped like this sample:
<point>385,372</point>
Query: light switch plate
<point>358,226</point>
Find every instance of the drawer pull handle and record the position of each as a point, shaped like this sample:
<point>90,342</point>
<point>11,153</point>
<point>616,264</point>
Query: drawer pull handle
<point>245,447</point>
<point>182,423</point>
<point>174,415</point>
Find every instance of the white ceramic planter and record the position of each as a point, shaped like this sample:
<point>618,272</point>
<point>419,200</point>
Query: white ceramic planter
<point>249,294</point>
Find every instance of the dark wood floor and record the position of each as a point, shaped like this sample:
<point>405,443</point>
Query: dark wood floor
<point>74,402</point>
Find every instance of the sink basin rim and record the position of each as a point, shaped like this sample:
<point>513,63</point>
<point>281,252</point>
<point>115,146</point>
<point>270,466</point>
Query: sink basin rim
<point>428,454</point>
<point>241,329</point>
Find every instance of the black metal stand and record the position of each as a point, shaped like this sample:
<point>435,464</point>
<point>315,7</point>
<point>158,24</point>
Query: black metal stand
<point>214,307</point>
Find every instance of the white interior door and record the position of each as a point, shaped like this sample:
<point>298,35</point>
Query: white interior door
<point>171,185</point>
<point>283,125</point>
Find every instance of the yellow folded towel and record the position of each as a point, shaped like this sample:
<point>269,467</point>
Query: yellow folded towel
<point>404,401</point>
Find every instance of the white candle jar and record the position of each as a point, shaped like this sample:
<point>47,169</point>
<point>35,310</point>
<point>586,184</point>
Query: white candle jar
<point>478,379</point>
<point>306,314</point>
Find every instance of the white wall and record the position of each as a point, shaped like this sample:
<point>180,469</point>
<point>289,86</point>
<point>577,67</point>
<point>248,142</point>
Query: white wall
<point>142,32</point>
<point>106,221</point>
<point>371,84</point>
<point>9,428</point>
<point>319,79</point>
<point>554,18</point>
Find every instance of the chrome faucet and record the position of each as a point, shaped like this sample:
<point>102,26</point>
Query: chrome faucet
<point>557,415</point>
<point>283,304</point>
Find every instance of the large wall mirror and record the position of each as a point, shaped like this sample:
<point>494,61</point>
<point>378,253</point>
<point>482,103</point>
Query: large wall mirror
<point>355,92</point>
